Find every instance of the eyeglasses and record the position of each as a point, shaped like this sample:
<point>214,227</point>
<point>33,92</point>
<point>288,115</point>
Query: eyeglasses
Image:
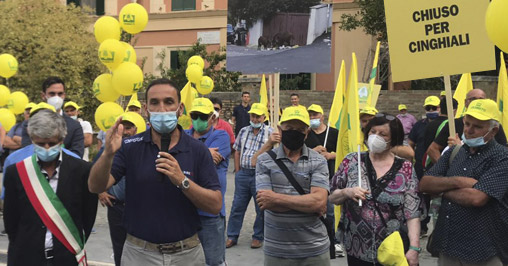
<point>388,117</point>
<point>203,117</point>
<point>217,109</point>
<point>428,108</point>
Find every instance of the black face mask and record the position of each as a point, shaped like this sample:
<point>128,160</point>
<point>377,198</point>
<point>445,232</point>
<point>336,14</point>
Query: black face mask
<point>293,139</point>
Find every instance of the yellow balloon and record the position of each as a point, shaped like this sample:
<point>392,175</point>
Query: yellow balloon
<point>205,86</point>
<point>136,119</point>
<point>127,78</point>
<point>496,23</point>
<point>103,89</point>
<point>111,53</point>
<point>194,73</point>
<point>7,119</point>
<point>106,27</point>
<point>129,53</point>
<point>8,65</point>
<point>4,95</point>
<point>133,18</point>
<point>106,114</point>
<point>196,60</point>
<point>17,102</point>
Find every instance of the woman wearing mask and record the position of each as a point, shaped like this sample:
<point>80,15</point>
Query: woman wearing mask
<point>389,187</point>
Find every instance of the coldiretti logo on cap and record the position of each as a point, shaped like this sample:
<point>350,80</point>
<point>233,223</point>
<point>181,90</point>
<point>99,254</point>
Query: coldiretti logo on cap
<point>478,106</point>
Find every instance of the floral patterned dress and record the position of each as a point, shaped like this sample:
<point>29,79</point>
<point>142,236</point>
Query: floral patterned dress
<point>399,201</point>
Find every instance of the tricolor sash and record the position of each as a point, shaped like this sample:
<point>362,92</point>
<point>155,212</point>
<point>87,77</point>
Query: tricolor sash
<point>49,208</point>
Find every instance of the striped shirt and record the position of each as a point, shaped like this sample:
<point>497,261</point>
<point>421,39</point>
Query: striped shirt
<point>293,234</point>
<point>248,144</point>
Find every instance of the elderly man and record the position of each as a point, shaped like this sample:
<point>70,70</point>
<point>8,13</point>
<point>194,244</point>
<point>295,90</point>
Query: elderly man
<point>169,176</point>
<point>407,120</point>
<point>248,142</point>
<point>442,140</point>
<point>294,233</point>
<point>212,234</point>
<point>48,210</point>
<point>472,181</point>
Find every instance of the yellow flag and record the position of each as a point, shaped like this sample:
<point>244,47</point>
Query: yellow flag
<point>188,94</point>
<point>373,73</point>
<point>338,98</point>
<point>263,96</point>
<point>502,94</point>
<point>465,85</point>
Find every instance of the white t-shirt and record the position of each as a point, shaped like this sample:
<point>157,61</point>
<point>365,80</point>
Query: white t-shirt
<point>87,129</point>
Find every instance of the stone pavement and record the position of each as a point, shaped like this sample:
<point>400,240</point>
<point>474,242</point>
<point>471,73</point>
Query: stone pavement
<point>100,253</point>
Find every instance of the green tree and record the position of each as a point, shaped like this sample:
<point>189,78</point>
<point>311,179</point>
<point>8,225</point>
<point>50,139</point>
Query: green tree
<point>223,80</point>
<point>252,10</point>
<point>51,39</point>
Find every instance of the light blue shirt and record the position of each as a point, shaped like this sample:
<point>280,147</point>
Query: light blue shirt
<point>20,155</point>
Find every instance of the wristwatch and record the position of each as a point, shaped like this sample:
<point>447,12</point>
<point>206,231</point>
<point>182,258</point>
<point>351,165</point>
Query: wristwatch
<point>416,249</point>
<point>185,184</point>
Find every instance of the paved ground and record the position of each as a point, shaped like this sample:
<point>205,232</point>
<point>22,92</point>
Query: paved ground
<point>314,58</point>
<point>100,252</point>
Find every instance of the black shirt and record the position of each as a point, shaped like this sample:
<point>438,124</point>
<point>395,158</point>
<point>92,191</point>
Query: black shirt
<point>431,130</point>
<point>442,138</point>
<point>242,117</point>
<point>417,135</point>
<point>471,234</point>
<point>313,140</point>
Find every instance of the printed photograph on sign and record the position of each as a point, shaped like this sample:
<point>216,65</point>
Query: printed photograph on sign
<point>437,38</point>
<point>274,36</point>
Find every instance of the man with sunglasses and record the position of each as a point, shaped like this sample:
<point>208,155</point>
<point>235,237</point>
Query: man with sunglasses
<point>212,233</point>
<point>443,140</point>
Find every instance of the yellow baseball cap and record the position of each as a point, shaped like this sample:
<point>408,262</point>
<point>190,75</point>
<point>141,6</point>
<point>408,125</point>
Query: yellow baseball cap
<point>402,107</point>
<point>391,251</point>
<point>258,109</point>
<point>136,119</point>
<point>443,93</point>
<point>202,105</point>
<point>315,108</point>
<point>484,109</point>
<point>295,112</point>
<point>30,105</point>
<point>71,103</point>
<point>41,106</point>
<point>135,103</point>
<point>432,100</point>
<point>368,110</point>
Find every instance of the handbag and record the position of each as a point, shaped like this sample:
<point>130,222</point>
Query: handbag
<point>377,189</point>
<point>297,187</point>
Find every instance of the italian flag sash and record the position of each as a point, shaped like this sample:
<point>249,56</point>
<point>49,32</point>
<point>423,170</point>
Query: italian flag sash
<point>49,208</point>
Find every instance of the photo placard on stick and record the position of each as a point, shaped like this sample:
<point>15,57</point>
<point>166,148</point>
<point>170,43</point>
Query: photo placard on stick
<point>436,38</point>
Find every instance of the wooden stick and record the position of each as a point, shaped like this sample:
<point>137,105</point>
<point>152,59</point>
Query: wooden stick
<point>276,91</point>
<point>449,105</point>
<point>270,104</point>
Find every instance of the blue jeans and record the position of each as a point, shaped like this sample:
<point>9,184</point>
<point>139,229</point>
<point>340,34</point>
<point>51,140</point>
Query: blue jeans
<point>245,189</point>
<point>213,239</point>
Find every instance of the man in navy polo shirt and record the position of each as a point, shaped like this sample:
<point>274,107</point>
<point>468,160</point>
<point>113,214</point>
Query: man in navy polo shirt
<point>212,234</point>
<point>164,187</point>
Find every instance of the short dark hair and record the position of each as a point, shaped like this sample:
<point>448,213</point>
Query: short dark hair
<point>396,129</point>
<point>442,105</point>
<point>216,100</point>
<point>294,94</point>
<point>163,81</point>
<point>245,92</point>
<point>50,81</point>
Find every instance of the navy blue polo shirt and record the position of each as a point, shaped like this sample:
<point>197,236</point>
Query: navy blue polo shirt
<point>155,209</point>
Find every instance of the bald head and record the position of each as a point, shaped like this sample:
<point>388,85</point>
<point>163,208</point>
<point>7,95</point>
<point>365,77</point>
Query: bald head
<point>474,94</point>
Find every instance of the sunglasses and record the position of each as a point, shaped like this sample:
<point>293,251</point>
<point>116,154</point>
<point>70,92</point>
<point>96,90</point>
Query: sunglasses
<point>429,108</point>
<point>195,116</point>
<point>388,117</point>
<point>216,109</point>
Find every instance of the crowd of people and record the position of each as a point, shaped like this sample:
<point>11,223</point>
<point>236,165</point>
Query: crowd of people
<point>164,187</point>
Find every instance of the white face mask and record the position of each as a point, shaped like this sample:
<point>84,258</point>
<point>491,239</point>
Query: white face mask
<point>376,144</point>
<point>56,102</point>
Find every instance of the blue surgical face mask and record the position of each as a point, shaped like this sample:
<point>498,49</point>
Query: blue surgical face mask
<point>164,122</point>
<point>432,115</point>
<point>476,142</point>
<point>255,125</point>
<point>49,154</point>
<point>314,123</point>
